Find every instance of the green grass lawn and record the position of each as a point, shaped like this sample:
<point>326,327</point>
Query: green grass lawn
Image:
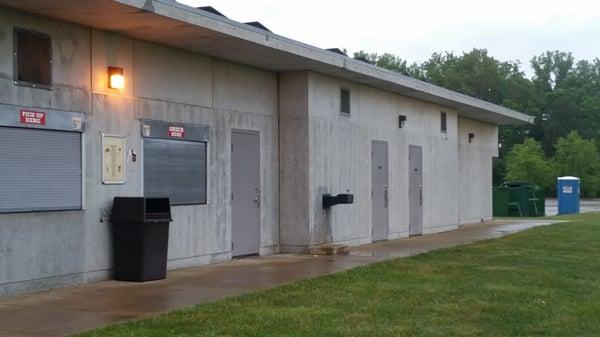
<point>542,282</point>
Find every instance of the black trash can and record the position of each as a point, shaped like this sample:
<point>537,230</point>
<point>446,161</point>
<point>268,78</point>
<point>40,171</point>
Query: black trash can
<point>140,229</point>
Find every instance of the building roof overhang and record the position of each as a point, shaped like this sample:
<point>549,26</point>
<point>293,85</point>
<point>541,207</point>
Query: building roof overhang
<point>173,24</point>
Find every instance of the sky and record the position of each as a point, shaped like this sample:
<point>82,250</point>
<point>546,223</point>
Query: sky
<point>509,29</point>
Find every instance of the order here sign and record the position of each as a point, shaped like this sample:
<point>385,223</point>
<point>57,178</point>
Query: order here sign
<point>33,117</point>
<point>176,132</point>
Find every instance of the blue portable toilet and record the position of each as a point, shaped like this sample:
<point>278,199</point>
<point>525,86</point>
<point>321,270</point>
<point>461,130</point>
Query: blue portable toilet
<point>568,195</point>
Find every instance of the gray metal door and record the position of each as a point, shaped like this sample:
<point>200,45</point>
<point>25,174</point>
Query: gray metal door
<point>379,192</point>
<point>415,189</point>
<point>245,193</point>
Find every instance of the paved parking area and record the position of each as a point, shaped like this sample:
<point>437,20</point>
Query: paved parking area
<point>586,206</point>
<point>68,310</point>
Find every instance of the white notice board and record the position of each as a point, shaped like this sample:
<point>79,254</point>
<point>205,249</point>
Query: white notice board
<point>113,159</point>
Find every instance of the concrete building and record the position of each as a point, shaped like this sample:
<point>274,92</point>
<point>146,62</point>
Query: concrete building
<point>244,129</point>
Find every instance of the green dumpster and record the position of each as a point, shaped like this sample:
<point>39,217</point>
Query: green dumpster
<point>518,199</point>
<point>500,201</point>
<point>538,201</point>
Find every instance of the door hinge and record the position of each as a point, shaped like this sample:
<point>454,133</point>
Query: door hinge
<point>231,196</point>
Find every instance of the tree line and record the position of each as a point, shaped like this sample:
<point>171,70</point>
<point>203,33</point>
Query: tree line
<point>562,96</point>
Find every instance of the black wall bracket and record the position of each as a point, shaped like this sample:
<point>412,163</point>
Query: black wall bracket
<point>332,200</point>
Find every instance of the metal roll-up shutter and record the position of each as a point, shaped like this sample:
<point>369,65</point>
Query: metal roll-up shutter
<point>40,170</point>
<point>175,169</point>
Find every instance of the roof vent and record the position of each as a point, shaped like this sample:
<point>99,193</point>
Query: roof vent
<point>258,25</point>
<point>212,10</point>
<point>337,51</point>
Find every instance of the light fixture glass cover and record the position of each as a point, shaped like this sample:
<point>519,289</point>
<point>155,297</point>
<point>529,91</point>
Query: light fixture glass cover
<point>116,80</point>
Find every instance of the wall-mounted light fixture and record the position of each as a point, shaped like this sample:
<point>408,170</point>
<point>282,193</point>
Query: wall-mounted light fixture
<point>401,121</point>
<point>116,80</point>
<point>471,136</point>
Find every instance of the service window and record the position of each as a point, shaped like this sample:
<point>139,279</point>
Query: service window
<point>40,166</point>
<point>175,162</point>
<point>32,59</point>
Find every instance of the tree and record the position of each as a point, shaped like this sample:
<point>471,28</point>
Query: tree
<point>387,61</point>
<point>567,96</point>
<point>563,95</point>
<point>477,74</point>
<point>551,69</point>
<point>578,157</point>
<point>527,162</point>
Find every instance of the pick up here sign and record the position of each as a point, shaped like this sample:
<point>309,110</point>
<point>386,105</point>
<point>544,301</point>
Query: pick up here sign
<point>32,117</point>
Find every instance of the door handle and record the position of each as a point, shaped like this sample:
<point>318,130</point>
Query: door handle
<point>385,197</point>
<point>420,195</point>
<point>257,196</point>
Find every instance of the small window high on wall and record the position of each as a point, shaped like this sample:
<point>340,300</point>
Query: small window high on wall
<point>345,101</point>
<point>443,123</point>
<point>32,59</point>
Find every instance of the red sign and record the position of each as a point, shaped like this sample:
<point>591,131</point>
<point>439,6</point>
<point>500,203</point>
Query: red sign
<point>33,117</point>
<point>176,131</point>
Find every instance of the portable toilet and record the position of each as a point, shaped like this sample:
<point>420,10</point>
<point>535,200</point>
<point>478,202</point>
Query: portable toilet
<point>568,195</point>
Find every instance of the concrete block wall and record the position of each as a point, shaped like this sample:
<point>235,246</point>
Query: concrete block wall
<point>45,249</point>
<point>49,249</point>
<point>336,151</point>
<point>307,149</point>
<point>340,160</point>
<point>475,165</point>
<point>294,162</point>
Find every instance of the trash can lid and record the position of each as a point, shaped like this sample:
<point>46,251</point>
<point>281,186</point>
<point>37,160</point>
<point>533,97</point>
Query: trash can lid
<point>514,184</point>
<point>568,178</point>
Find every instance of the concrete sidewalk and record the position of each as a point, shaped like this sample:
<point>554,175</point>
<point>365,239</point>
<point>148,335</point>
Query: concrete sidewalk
<point>68,310</point>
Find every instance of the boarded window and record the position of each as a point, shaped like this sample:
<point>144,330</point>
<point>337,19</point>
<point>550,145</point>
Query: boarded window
<point>345,101</point>
<point>443,122</point>
<point>33,59</point>
<point>40,170</point>
<point>175,169</point>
